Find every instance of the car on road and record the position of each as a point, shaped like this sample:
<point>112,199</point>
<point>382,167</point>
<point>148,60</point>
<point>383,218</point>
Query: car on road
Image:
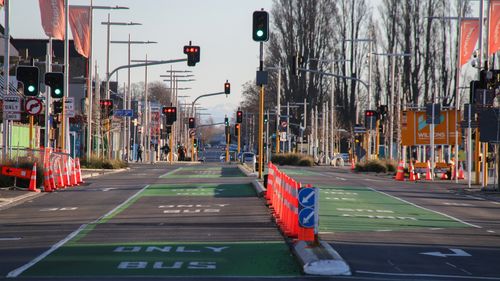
<point>249,159</point>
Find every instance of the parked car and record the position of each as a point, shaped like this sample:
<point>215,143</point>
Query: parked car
<point>249,159</point>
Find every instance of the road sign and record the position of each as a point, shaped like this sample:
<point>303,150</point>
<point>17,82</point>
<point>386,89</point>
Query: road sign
<point>192,132</point>
<point>11,104</point>
<point>307,217</point>
<point>284,124</point>
<point>33,106</point>
<point>455,253</point>
<point>69,107</point>
<point>307,197</point>
<point>14,116</point>
<point>123,113</point>
<point>359,130</point>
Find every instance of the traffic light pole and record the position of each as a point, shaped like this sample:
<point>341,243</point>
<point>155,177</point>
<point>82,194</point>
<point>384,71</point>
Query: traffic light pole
<point>261,110</point>
<point>202,96</point>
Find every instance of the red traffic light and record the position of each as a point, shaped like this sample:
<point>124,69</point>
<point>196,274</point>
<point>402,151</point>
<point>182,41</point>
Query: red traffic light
<point>227,88</point>
<point>370,113</point>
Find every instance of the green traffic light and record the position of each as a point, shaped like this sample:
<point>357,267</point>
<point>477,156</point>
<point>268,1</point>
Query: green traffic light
<point>31,88</point>
<point>260,33</point>
<point>57,91</point>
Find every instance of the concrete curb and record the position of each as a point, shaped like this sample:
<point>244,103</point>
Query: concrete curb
<point>320,260</point>
<point>259,188</point>
<point>245,170</point>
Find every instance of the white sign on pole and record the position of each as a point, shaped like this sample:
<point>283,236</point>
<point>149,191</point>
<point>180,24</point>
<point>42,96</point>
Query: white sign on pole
<point>69,107</point>
<point>15,116</point>
<point>12,104</point>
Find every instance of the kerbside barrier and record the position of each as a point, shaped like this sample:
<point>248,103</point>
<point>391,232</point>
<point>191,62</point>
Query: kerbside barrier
<point>282,196</point>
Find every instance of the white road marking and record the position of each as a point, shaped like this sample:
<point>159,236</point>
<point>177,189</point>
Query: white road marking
<point>10,238</point>
<point>456,204</point>
<point>427,209</point>
<point>16,272</point>
<point>171,172</point>
<point>456,253</point>
<point>427,275</point>
<point>339,178</point>
<point>456,267</point>
<point>109,188</point>
<point>475,197</point>
<point>490,231</point>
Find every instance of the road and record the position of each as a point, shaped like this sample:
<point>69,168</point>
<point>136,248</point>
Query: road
<point>205,221</point>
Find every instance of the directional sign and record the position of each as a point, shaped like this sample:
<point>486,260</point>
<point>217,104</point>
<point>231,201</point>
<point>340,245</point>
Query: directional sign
<point>33,106</point>
<point>306,217</point>
<point>456,253</point>
<point>307,197</point>
<point>16,172</point>
<point>123,113</point>
<point>11,104</point>
<point>359,130</point>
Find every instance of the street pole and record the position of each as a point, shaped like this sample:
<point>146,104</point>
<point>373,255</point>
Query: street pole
<point>65,122</point>
<point>267,136</point>
<point>288,139</point>
<point>391,109</point>
<point>89,86</point>
<point>278,110</point>
<point>47,94</point>
<point>6,41</point>
<point>261,110</point>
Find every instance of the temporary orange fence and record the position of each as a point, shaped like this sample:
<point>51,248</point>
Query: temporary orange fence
<point>282,198</point>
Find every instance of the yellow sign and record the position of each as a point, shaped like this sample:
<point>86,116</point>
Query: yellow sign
<point>416,131</point>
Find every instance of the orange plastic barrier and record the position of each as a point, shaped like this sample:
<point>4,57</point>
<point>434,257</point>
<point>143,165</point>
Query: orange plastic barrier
<point>282,198</point>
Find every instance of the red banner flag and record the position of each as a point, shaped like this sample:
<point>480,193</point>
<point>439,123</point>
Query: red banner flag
<point>494,27</point>
<point>469,36</point>
<point>1,3</point>
<point>79,21</point>
<point>52,12</point>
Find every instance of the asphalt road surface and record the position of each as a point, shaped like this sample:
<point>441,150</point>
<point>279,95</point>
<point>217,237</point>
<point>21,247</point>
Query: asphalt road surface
<point>192,222</point>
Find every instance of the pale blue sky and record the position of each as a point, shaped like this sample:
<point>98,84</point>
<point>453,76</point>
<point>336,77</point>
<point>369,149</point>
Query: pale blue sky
<point>222,28</point>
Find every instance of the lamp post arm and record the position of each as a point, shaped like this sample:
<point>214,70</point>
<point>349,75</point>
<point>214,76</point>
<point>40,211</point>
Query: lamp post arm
<point>336,75</point>
<point>202,96</point>
<point>141,65</point>
<point>213,124</point>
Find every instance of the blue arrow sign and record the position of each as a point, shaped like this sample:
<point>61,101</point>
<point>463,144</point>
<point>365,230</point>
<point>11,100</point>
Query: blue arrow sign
<point>307,197</point>
<point>123,113</point>
<point>306,217</point>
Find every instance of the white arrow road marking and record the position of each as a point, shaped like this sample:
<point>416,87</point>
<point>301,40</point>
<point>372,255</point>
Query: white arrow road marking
<point>309,196</point>
<point>306,219</point>
<point>456,253</point>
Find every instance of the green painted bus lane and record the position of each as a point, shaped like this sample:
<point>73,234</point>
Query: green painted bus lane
<point>175,230</point>
<point>193,172</point>
<point>168,259</point>
<point>351,209</point>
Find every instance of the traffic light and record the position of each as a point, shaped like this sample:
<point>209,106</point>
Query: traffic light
<point>28,75</point>
<point>260,30</point>
<point>265,119</point>
<point>192,123</point>
<point>227,88</point>
<point>193,54</point>
<point>237,129</point>
<point>371,117</point>
<point>226,121</point>
<point>170,113</point>
<point>239,116</point>
<point>106,108</point>
<point>57,107</point>
<point>382,111</point>
<point>297,62</point>
<point>55,80</point>
<point>195,142</point>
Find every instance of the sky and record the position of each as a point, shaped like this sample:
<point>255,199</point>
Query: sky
<point>222,29</point>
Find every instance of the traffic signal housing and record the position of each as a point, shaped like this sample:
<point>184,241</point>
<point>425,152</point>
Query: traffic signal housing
<point>195,143</point>
<point>192,123</point>
<point>170,113</point>
<point>226,121</point>
<point>55,80</point>
<point>260,26</point>
<point>106,108</point>
<point>227,88</point>
<point>193,54</point>
<point>237,127</point>
<point>371,117</point>
<point>57,107</point>
<point>239,116</point>
<point>28,75</point>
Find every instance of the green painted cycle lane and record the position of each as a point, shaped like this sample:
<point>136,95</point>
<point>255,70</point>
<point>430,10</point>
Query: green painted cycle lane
<point>104,248</point>
<point>356,209</point>
<point>203,172</point>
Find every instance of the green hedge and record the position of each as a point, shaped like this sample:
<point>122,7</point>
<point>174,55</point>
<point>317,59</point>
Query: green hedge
<point>6,181</point>
<point>378,166</point>
<point>292,159</point>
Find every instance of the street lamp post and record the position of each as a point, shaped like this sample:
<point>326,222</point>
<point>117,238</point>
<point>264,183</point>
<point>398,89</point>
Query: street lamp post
<point>127,100</point>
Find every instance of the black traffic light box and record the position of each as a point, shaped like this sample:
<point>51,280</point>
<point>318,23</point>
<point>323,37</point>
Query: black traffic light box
<point>227,88</point>
<point>57,107</point>
<point>239,116</point>
<point>371,117</point>
<point>55,80</point>
<point>193,54</point>
<point>195,142</point>
<point>226,121</point>
<point>28,75</point>
<point>106,108</point>
<point>192,123</point>
<point>170,113</point>
<point>260,26</point>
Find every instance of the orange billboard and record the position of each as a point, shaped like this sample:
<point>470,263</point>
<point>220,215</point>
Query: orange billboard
<point>416,131</point>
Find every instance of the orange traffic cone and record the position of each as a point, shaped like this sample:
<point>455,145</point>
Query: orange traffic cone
<point>412,173</point>
<point>72,178</point>
<point>428,174</point>
<point>352,164</point>
<point>46,179</point>
<point>444,176</point>
<point>32,186</point>
<point>78,171</point>
<point>51,179</point>
<point>59,177</point>
<point>400,175</point>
